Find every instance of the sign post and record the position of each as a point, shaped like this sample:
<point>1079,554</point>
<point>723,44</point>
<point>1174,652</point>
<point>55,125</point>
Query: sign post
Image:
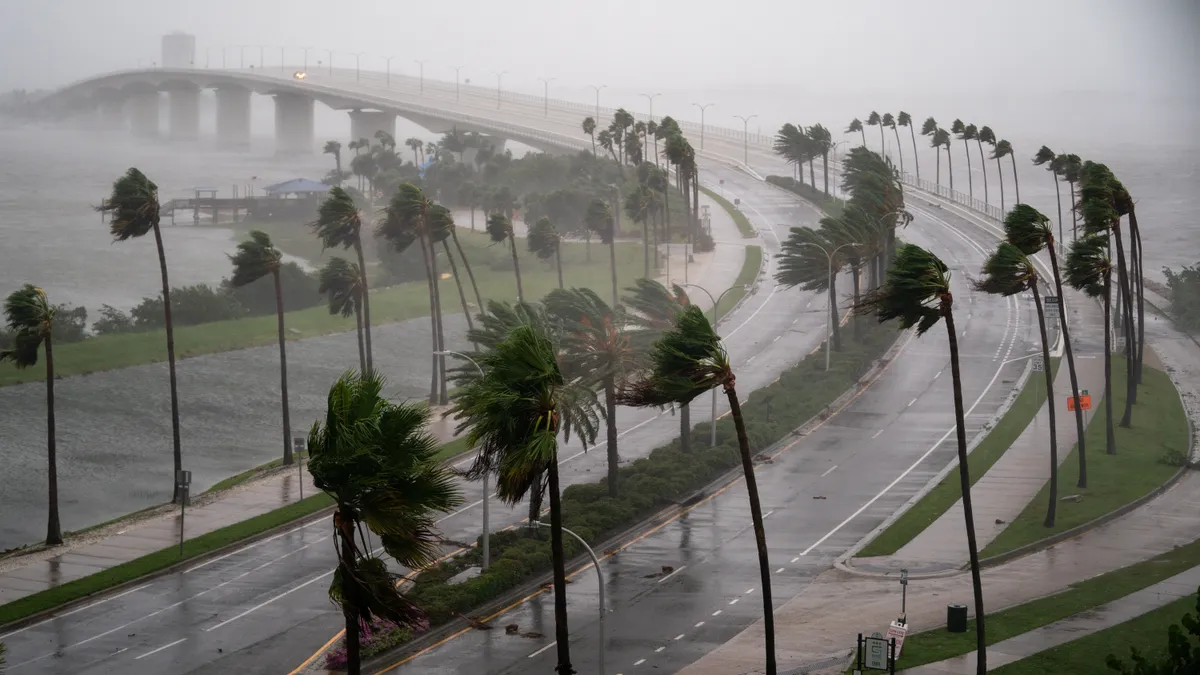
<point>183,480</point>
<point>1052,308</point>
<point>904,596</point>
<point>298,451</point>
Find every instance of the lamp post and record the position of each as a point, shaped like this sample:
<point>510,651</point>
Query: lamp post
<point>599,578</point>
<point>702,109</point>
<point>241,56</point>
<point>650,98</point>
<point>456,70</point>
<point>207,57</point>
<point>421,81</point>
<point>282,59</point>
<point>598,88</point>
<point>224,65</point>
<point>712,437</point>
<point>486,490</point>
<point>306,51</point>
<point>546,95</point>
<point>829,300</point>
<point>357,65</point>
<point>262,56</point>
<point>330,53</point>
<point>745,138</point>
<point>499,78</point>
<point>388,61</point>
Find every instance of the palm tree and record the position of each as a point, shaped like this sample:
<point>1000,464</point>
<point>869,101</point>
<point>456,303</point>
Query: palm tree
<point>335,148</point>
<point>654,309</point>
<point>1000,150</point>
<point>965,133</point>
<point>929,127</point>
<point>339,224</point>
<point>791,143</point>
<point>917,292</point>
<point>515,412</point>
<point>875,120</point>
<point>652,132</point>
<point>686,362</point>
<point>822,142</point>
<point>133,212</point>
<point>1030,231</point>
<point>30,318</point>
<point>589,128</point>
<point>1089,269</point>
<point>416,144</point>
<point>342,281</point>
<point>500,228</point>
<point>256,258</point>
<point>599,219</point>
<point>1072,165</point>
<point>607,142</point>
<point>441,223</point>
<point>545,242</point>
<point>857,125</point>
<point>890,122</point>
<point>379,465</point>
<point>1046,156</point>
<point>804,262</point>
<point>942,138</point>
<point>936,139</point>
<point>449,225</point>
<point>905,120</point>
<point>1007,272</point>
<point>638,205</point>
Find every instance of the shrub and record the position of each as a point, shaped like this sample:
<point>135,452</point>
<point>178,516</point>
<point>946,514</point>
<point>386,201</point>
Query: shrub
<point>1185,296</point>
<point>831,205</point>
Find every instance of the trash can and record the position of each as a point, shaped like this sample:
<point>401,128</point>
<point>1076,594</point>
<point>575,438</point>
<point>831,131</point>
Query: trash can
<point>956,618</point>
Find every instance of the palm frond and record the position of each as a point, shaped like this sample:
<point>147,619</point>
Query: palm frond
<point>1088,265</point>
<point>688,360</point>
<point>543,239</point>
<point>916,290</point>
<point>1007,271</point>
<point>342,282</point>
<point>1027,228</point>
<point>255,258</point>
<point>132,207</point>
<point>339,220</point>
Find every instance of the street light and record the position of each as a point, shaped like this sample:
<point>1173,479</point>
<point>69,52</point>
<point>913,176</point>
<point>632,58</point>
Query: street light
<point>599,578</point>
<point>282,59</point>
<point>651,97</point>
<point>388,61</point>
<point>357,65</point>
<point>456,70</point>
<point>421,64</point>
<point>702,109</point>
<point>207,57</point>
<point>306,51</point>
<point>330,52</point>
<point>712,437</point>
<point>241,56</point>
<point>223,64</point>
<point>499,77</point>
<point>829,300</point>
<point>745,138</point>
<point>546,95</point>
<point>486,491</point>
<point>262,56</point>
<point>603,86</point>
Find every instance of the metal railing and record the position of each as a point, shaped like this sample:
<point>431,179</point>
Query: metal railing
<point>977,205</point>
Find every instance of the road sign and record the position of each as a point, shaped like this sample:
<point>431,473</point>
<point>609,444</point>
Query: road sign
<point>1085,402</point>
<point>1052,308</point>
<point>897,631</point>
<point>183,478</point>
<point>1038,365</point>
<point>1121,343</point>
<point>875,652</point>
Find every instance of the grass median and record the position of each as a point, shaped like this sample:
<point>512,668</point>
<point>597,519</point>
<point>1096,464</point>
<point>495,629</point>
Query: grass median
<point>948,492</point>
<point>745,278</point>
<point>739,218</point>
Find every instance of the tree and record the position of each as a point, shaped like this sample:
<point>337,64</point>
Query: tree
<point>380,467</point>
<point>905,120</point>
<point>589,128</point>
<point>1001,149</point>
<point>937,140</point>
<point>803,261</point>
<point>1180,658</point>
<point>1134,283</point>
<point>917,292</point>
<point>653,308</point>
<point>416,144</point>
<point>1030,231</point>
<point>545,242</point>
<point>599,219</point>
<point>822,142</point>
<point>30,319</point>
<point>890,122</point>
<point>1072,165</point>
<point>857,125</point>
<point>607,142</point>
<point>793,144</point>
<point>339,224</point>
<point>469,196</point>
<point>335,148</point>
<point>1008,271</point>
<point>1046,157</point>
<point>500,228</point>
<point>256,258</point>
<point>441,223</point>
<point>342,283</point>
<point>133,212</point>
<point>638,205</point>
<point>942,138</point>
<point>875,120</point>
<point>965,133</point>
<point>686,362</point>
<point>515,412</point>
<point>1089,269</point>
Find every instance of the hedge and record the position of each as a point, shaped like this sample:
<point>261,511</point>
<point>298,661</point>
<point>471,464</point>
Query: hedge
<point>832,206</point>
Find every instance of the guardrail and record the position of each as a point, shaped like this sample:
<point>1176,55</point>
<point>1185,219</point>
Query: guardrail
<point>977,205</point>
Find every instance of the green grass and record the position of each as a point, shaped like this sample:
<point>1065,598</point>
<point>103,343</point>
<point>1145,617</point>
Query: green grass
<point>293,238</point>
<point>493,272</point>
<point>244,476</point>
<point>743,223</point>
<point>747,275</point>
<point>936,645</point>
<point>154,562</point>
<point>1160,425</point>
<point>1147,633</point>
<point>947,493</point>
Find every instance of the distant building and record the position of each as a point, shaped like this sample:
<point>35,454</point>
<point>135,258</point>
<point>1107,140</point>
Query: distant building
<point>179,50</point>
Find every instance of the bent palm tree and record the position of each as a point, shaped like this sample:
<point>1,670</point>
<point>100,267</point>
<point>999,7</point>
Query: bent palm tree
<point>335,148</point>
<point>1000,150</point>
<point>890,122</point>
<point>905,120</point>
<point>917,292</point>
<point>134,212</point>
<point>545,242</point>
<point>256,258</point>
<point>599,219</point>
<point>30,318</point>
<point>822,142</point>
<point>342,282</point>
<point>965,133</point>
<point>874,120</point>
<point>654,308</point>
<point>1089,269</point>
<point>1046,156</point>
<point>589,128</point>
<point>804,261</point>
<point>441,224</point>
<point>1072,166</point>
<point>500,229</point>
<point>857,125</point>
<point>376,461</point>
<point>686,362</point>
<point>339,224</point>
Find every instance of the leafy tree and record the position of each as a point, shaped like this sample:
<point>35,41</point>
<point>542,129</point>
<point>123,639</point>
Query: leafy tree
<point>342,282</point>
<point>112,320</point>
<point>545,242</point>
<point>133,211</point>
<point>377,462</point>
<point>1181,657</point>
<point>339,224</point>
<point>653,309</point>
<point>1089,269</point>
<point>905,120</point>
<point>686,362</point>
<point>300,290</point>
<point>190,306</point>
<point>917,292</point>
<point>335,148</point>
<point>874,120</point>
<point>857,125</point>
<point>30,317</point>
<point>1184,286</point>
<point>256,258</point>
<point>469,195</point>
<point>589,128</point>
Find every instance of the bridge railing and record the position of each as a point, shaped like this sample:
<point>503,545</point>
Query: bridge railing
<point>978,205</point>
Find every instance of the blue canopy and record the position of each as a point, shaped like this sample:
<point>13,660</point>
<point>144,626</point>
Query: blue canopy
<point>296,186</point>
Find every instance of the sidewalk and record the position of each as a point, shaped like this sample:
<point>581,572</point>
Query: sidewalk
<point>1110,614</point>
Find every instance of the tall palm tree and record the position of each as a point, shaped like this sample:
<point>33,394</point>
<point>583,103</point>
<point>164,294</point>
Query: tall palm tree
<point>1008,271</point>
<point>905,120</point>
<point>441,223</point>
<point>1030,231</point>
<point>134,212</point>
<point>607,142</point>
<point>1072,165</point>
<point>1004,149</point>
<point>342,281</point>
<point>822,143</point>
<point>653,307</point>
<point>652,132</point>
<point>599,219</point>
<point>416,144</point>
<point>545,242</point>
<point>335,148</point>
<point>1089,269</point>
<point>804,262</point>
<point>256,258</point>
<point>686,362</point>
<point>379,465</point>
<point>917,292</point>
<point>965,133</point>
<point>935,141</point>
<point>1046,156</point>
<point>890,122</point>
<point>30,318</point>
<point>500,228</point>
<point>339,224</point>
<point>857,125</point>
<point>452,228</point>
<point>589,128</point>
<point>515,412</point>
<point>638,205</point>
<point>791,143</point>
<point>942,138</point>
<point>875,120</point>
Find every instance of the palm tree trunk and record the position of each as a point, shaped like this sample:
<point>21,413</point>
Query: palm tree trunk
<point>1074,213</point>
<point>353,648</point>
<point>1127,327</point>
<point>864,136</point>
<point>593,135</point>
<point>366,300</point>
<point>970,179</point>
<point>950,169</point>
<point>512,240</point>
<point>170,326</point>
<point>899,148</point>
<point>964,476</point>
<point>938,182</point>
<point>882,149</point>
<point>916,155</point>
<point>983,167</point>
<point>467,264</point>
<point>433,324</point>
<point>612,261</point>
<point>825,170</point>
<point>756,517</point>
<point>812,172</point>
<point>835,324</point>
<point>1016,178</point>
<point>1135,234</point>
<point>443,399</point>
<point>1000,171</point>
<point>561,634</point>
<point>856,273</point>
<point>358,321</point>
<point>462,294</point>
<point>685,428</point>
<point>1070,353</point>
<point>1110,439</point>
<point>558,264</point>
<point>1050,508</point>
<point>645,246</point>
<point>283,382</point>
<point>53,526</point>
<point>610,414</point>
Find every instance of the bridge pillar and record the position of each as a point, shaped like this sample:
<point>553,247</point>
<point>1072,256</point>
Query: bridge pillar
<point>143,108</point>
<point>233,118</point>
<point>364,124</point>
<point>496,142</point>
<point>293,124</point>
<point>184,113</point>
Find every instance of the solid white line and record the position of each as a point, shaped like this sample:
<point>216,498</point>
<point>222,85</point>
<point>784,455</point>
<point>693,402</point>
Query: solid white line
<point>247,548</point>
<point>139,658</point>
<point>543,649</point>
<point>267,602</point>
<point>677,571</point>
<point>679,637</point>
<point>56,617</point>
<point>768,514</point>
<point>830,469</point>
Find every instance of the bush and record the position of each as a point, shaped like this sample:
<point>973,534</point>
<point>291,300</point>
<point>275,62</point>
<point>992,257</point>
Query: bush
<point>258,298</point>
<point>831,205</point>
<point>190,305</point>
<point>1185,296</point>
<point>112,320</point>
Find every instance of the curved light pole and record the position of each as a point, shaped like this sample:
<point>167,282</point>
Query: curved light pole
<point>208,57</point>
<point>650,98</point>
<point>421,81</point>
<point>388,61</point>
<point>357,64</point>
<point>330,53</point>
<point>599,577</point>
<point>546,95</point>
<point>306,51</point>
<point>456,70</point>
<point>241,56</point>
<point>829,297</point>
<point>282,59</point>
<point>745,138</point>
<point>712,437</point>
<point>224,65</point>
<point>702,109</point>
<point>598,88</point>
<point>486,490</point>
<point>499,78</point>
